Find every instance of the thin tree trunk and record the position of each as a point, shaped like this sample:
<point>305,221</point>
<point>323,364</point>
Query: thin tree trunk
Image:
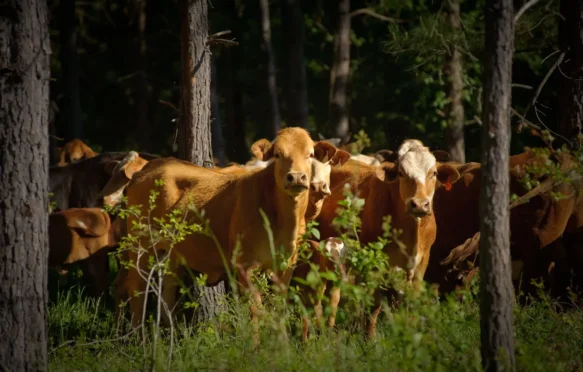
<point>194,129</point>
<point>338,107</point>
<point>71,107</point>
<point>274,116</point>
<point>571,83</point>
<point>141,92</point>
<point>454,73</point>
<point>24,144</point>
<point>217,124</point>
<point>496,292</point>
<point>293,39</point>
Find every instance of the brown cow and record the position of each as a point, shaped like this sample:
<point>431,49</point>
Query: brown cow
<point>78,234</point>
<point>533,225</point>
<point>405,191</point>
<point>74,151</point>
<point>231,203</point>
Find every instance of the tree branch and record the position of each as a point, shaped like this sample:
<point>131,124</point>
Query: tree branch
<point>524,8</point>
<point>372,13</point>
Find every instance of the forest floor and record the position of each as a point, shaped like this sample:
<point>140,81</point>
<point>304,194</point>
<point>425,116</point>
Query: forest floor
<point>426,335</point>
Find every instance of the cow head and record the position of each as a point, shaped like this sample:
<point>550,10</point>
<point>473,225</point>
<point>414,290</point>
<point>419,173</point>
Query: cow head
<point>417,172</point>
<point>292,153</point>
<point>121,174</point>
<point>320,183</point>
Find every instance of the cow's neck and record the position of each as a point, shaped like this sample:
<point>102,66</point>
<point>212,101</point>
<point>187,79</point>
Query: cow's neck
<point>286,213</point>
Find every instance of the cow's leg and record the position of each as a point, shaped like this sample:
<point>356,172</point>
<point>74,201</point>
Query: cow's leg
<point>169,288</point>
<point>334,301</point>
<point>120,294</point>
<point>256,302</point>
<point>372,318</point>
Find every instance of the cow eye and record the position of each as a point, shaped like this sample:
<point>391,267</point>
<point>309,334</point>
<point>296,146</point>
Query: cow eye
<point>434,173</point>
<point>400,174</point>
<point>277,156</point>
<point>311,155</point>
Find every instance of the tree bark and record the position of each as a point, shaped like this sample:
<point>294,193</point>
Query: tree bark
<point>274,116</point>
<point>496,292</point>
<point>141,90</point>
<point>195,131</point>
<point>296,87</point>
<point>216,124</point>
<point>339,73</point>
<point>71,107</point>
<point>24,202</point>
<point>571,83</point>
<point>454,72</point>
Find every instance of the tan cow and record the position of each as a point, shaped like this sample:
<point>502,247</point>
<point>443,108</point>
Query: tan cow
<point>83,234</point>
<point>231,203</point>
<point>74,151</point>
<point>404,191</point>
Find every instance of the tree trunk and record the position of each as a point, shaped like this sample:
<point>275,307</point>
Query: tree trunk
<point>195,131</point>
<point>71,107</point>
<point>141,90</point>
<point>496,292</point>
<point>216,124</point>
<point>454,73</point>
<point>571,92</point>
<point>24,144</point>
<point>338,107</point>
<point>293,39</point>
<point>274,116</point>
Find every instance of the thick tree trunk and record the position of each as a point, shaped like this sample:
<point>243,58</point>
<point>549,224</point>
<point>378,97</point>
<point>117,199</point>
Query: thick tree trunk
<point>71,107</point>
<point>338,106</point>
<point>454,73</point>
<point>141,92</point>
<point>217,124</point>
<point>194,129</point>
<point>571,92</point>
<point>496,293</point>
<point>296,87</point>
<point>274,116</point>
<point>24,202</point>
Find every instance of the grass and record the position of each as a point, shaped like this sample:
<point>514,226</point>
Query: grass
<point>424,335</point>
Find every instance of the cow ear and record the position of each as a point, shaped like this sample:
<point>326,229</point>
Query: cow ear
<point>133,167</point>
<point>324,150</point>
<point>447,175</point>
<point>262,149</point>
<point>391,171</point>
<point>339,158</point>
<point>109,167</point>
<point>386,155</point>
<point>441,156</point>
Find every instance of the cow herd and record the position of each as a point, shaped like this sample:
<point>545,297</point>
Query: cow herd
<point>293,180</point>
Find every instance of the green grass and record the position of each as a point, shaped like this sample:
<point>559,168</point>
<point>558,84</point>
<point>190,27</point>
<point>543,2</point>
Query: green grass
<point>425,335</point>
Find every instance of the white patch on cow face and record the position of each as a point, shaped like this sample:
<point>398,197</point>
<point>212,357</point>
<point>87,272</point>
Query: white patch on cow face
<point>336,248</point>
<point>321,172</point>
<point>409,145</point>
<point>416,164</point>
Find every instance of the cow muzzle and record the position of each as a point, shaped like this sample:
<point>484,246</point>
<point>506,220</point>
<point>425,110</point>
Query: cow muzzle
<point>320,188</point>
<point>419,207</point>
<point>296,182</point>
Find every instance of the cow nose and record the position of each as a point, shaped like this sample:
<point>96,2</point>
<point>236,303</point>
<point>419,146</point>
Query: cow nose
<point>320,187</point>
<point>296,179</point>
<point>420,205</point>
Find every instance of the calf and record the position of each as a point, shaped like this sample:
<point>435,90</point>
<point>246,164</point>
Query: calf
<point>404,191</point>
<point>231,203</point>
<point>76,235</point>
<point>74,151</point>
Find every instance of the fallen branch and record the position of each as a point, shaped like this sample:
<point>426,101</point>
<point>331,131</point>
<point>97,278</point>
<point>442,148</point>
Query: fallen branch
<point>226,42</point>
<point>169,104</point>
<point>524,8</point>
<point>372,13</point>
